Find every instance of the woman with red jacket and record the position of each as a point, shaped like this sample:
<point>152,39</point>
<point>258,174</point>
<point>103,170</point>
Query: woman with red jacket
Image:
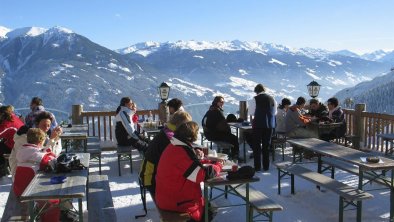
<point>180,173</point>
<point>9,124</point>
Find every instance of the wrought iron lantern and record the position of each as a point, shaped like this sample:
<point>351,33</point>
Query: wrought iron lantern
<point>164,91</point>
<point>313,89</point>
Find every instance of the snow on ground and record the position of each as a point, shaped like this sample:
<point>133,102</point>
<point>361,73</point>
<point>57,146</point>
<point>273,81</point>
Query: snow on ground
<point>307,205</point>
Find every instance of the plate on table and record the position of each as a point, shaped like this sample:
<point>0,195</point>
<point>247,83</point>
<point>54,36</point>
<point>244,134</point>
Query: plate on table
<point>220,156</point>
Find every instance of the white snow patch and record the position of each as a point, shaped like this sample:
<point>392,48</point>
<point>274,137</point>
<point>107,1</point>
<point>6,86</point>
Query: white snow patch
<point>79,55</point>
<point>88,64</point>
<point>334,63</point>
<point>55,45</point>
<point>313,75</point>
<point>70,90</point>
<point>67,65</point>
<point>277,61</point>
<point>242,72</point>
<point>335,81</point>
<point>197,56</point>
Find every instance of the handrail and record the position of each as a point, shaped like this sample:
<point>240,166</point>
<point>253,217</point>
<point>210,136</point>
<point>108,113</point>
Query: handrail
<point>101,123</point>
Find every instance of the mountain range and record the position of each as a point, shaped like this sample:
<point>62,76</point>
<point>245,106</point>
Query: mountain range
<point>66,68</point>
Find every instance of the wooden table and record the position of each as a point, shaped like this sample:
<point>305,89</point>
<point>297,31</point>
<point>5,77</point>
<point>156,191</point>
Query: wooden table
<point>40,188</point>
<point>238,126</point>
<point>322,127</point>
<point>75,136</point>
<point>352,156</point>
<point>150,131</point>
<point>388,137</point>
<point>230,188</point>
<point>75,128</point>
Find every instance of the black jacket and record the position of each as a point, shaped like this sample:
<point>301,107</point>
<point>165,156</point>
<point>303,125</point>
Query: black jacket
<point>214,123</point>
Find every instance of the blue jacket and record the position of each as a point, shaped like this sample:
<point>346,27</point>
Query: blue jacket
<point>264,114</point>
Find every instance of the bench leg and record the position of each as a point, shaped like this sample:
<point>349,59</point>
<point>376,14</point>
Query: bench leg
<point>340,219</point>
<point>119,156</point>
<point>143,199</point>
<point>99,163</point>
<point>131,164</point>
<point>80,209</point>
<point>292,183</point>
<point>279,181</point>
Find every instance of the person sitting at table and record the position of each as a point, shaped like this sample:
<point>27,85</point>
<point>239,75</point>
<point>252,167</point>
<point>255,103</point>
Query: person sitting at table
<point>335,115</point>
<point>281,115</point>
<point>125,133</point>
<point>180,173</point>
<point>174,105</point>
<point>156,148</point>
<point>216,127</point>
<point>317,110</point>
<point>53,142</point>
<point>9,124</point>
<point>31,159</point>
<point>296,122</point>
<point>36,107</point>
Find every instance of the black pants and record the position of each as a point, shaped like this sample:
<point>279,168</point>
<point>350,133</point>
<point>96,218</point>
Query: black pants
<point>261,144</point>
<point>228,138</point>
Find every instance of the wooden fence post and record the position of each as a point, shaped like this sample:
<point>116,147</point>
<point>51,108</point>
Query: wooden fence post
<point>76,114</point>
<point>359,125</point>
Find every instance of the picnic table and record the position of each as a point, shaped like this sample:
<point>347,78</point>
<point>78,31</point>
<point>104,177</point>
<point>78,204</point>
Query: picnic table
<point>374,171</point>
<point>151,129</point>
<point>388,137</point>
<point>230,188</point>
<point>40,188</point>
<point>76,133</point>
<point>323,127</point>
<point>238,126</point>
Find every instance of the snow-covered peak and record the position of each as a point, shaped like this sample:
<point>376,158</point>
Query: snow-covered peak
<point>59,29</point>
<point>4,31</point>
<point>27,31</point>
<point>346,53</point>
<point>314,53</point>
<point>143,46</point>
<point>374,56</point>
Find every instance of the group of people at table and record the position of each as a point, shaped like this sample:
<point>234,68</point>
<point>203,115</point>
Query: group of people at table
<point>172,168</point>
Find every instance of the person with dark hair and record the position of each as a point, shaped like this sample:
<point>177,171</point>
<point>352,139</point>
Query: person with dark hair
<point>281,115</point>
<point>156,148</point>
<point>263,109</point>
<point>317,110</point>
<point>52,142</point>
<point>336,115</point>
<point>296,122</point>
<point>180,173</point>
<point>216,127</point>
<point>125,132</point>
<point>9,124</point>
<point>36,107</point>
<point>174,105</point>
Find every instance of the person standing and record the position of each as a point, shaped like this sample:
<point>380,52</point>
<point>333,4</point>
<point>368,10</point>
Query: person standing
<point>263,123</point>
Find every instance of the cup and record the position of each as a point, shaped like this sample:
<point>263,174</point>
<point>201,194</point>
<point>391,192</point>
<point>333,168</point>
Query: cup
<point>234,168</point>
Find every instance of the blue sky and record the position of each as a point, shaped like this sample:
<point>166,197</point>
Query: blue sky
<point>358,25</point>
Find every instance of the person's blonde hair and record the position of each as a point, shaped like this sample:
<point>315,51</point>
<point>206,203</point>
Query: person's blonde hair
<point>187,132</point>
<point>35,136</point>
<point>180,117</point>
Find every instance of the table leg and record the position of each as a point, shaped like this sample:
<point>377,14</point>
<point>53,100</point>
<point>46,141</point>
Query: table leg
<point>206,202</point>
<point>31,211</point>
<point>359,203</point>
<point>319,163</point>
<point>248,218</point>
<point>392,197</point>
<point>80,209</point>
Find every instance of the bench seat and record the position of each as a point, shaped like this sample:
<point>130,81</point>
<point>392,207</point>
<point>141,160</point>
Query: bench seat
<point>259,202</point>
<point>100,205</point>
<point>15,210</point>
<point>347,194</point>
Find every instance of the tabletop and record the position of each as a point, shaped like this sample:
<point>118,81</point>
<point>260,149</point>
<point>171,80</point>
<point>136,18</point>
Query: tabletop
<point>343,153</point>
<point>40,188</point>
<point>75,128</point>
<point>240,126</point>
<point>386,136</point>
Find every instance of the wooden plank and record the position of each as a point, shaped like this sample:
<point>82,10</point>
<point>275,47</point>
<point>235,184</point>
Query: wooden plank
<point>108,145</point>
<point>344,190</point>
<point>15,210</point>
<point>259,200</point>
<point>101,207</point>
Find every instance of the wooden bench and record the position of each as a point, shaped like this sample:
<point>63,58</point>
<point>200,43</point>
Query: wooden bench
<point>93,147</point>
<point>259,202</point>
<point>124,153</point>
<point>100,205</point>
<point>347,195</point>
<point>279,140</point>
<point>15,210</point>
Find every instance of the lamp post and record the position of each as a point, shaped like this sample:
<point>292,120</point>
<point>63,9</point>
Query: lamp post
<point>313,89</point>
<point>164,93</point>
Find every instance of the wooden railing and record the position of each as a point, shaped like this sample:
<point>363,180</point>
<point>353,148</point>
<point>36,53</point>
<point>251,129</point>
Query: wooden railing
<point>367,125</point>
<point>102,123</point>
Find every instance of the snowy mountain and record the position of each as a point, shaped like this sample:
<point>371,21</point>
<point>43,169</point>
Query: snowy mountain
<point>378,94</point>
<point>380,55</point>
<point>65,68</point>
